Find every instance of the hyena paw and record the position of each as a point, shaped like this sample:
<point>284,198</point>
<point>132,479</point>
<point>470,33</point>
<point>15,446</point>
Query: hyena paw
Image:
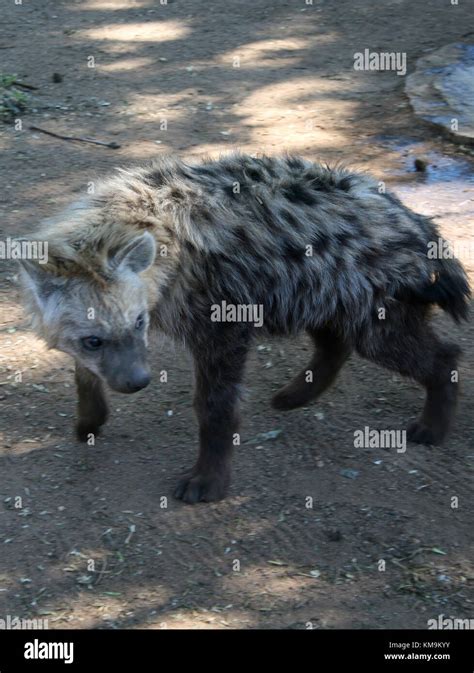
<point>196,487</point>
<point>84,430</point>
<point>420,433</point>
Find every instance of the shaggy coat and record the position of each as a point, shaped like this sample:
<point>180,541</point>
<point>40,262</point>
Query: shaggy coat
<point>314,249</point>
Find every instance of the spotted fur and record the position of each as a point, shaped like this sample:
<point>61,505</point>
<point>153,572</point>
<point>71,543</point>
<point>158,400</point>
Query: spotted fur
<point>319,249</point>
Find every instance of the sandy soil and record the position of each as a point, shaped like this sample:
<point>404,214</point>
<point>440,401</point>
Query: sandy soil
<point>91,537</point>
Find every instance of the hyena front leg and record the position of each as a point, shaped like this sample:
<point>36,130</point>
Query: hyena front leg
<point>92,403</point>
<point>331,353</point>
<point>219,374</point>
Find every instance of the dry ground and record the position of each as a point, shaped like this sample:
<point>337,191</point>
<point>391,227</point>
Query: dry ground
<point>201,77</point>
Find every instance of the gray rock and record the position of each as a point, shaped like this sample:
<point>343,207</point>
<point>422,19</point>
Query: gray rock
<point>441,90</point>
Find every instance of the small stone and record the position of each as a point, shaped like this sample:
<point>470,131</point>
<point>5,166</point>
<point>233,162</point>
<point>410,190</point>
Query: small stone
<point>420,165</point>
<point>443,578</point>
<point>271,434</point>
<point>348,473</point>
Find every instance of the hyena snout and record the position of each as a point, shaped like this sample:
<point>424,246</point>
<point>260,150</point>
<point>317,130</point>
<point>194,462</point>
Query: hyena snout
<point>131,379</point>
<point>127,370</point>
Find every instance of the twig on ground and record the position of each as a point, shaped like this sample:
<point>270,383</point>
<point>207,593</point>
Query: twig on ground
<point>112,145</point>
<point>24,85</point>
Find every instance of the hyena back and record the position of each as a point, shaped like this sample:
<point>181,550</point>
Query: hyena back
<point>317,249</point>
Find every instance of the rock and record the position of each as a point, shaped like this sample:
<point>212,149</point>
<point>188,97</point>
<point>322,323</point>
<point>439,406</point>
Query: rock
<point>420,165</point>
<point>271,434</point>
<point>441,90</point>
<point>334,535</point>
<point>350,474</point>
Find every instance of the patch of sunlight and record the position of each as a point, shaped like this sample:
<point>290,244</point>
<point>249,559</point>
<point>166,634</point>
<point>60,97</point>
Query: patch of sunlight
<point>302,113</point>
<point>94,609</point>
<point>111,5</point>
<point>151,31</point>
<point>26,360</point>
<point>163,110</point>
<point>22,447</point>
<point>201,618</point>
<point>267,53</point>
<point>151,149</point>
<point>282,587</point>
<point>125,64</point>
<point>27,341</point>
<point>453,203</point>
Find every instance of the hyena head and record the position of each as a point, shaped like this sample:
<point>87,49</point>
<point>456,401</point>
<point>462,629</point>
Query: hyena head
<point>97,312</point>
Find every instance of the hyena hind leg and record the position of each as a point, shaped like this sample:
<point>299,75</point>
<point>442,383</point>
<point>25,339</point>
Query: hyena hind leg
<point>331,353</point>
<point>415,351</point>
<point>92,403</point>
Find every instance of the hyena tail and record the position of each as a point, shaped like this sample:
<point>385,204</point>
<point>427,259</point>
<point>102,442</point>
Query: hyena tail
<point>450,289</point>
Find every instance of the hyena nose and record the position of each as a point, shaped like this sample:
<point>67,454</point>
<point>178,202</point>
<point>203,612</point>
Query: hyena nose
<point>139,380</point>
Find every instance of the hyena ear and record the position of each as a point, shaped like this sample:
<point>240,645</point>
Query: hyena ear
<point>136,256</point>
<point>38,280</point>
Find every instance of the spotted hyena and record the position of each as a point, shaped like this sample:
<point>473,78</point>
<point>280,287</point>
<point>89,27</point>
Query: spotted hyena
<point>215,252</point>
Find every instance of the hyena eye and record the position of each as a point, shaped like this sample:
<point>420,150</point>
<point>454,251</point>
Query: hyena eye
<point>139,322</point>
<point>91,343</point>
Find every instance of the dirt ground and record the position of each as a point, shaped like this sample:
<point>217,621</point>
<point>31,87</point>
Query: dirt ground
<point>90,537</point>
